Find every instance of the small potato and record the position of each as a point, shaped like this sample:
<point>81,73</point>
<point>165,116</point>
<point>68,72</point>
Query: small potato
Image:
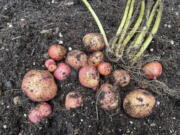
<point>107,97</point>
<point>89,77</point>
<point>152,70</point>
<point>76,59</point>
<point>41,111</point>
<point>62,72</point>
<point>121,77</point>
<point>73,100</point>
<point>39,85</point>
<point>93,42</point>
<point>139,103</point>
<point>95,58</point>
<point>50,64</point>
<point>57,52</point>
<point>104,68</point>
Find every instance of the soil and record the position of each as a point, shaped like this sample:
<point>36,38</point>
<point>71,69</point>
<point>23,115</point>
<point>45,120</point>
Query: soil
<point>29,27</point>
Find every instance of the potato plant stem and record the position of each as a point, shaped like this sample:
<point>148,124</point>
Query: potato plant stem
<point>150,35</point>
<point>126,26</point>
<point>86,3</point>
<point>140,37</point>
<point>121,25</point>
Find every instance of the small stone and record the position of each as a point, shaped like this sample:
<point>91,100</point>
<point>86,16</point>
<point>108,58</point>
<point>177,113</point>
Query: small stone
<point>158,103</point>
<point>34,63</point>
<point>70,48</point>
<point>151,49</point>
<point>60,34</point>
<point>25,115</point>
<point>169,26</point>
<point>22,19</point>
<point>4,126</point>
<point>82,120</point>
<point>152,124</point>
<point>8,84</point>
<point>9,25</point>
<point>45,55</point>
<point>165,25</point>
<point>172,42</point>
<point>17,100</point>
<point>60,42</point>
<point>8,107</point>
<point>130,122</point>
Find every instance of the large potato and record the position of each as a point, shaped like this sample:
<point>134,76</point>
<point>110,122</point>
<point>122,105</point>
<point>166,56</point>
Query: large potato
<point>39,85</point>
<point>139,103</point>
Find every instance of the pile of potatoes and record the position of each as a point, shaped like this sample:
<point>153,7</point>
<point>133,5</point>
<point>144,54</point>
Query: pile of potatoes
<point>40,85</point>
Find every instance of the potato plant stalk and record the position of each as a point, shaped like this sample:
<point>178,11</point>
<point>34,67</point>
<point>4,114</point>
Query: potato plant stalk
<point>99,24</point>
<point>150,35</point>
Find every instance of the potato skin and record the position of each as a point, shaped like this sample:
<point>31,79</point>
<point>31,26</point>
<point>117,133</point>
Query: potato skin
<point>121,77</point>
<point>39,85</point>
<point>89,77</point>
<point>93,42</point>
<point>76,59</point>
<point>95,58</point>
<point>50,64</point>
<point>57,52</point>
<point>104,68</point>
<point>41,111</point>
<point>139,103</point>
<point>107,97</point>
<point>73,100</point>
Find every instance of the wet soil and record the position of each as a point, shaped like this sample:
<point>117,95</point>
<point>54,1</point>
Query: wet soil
<point>29,27</point>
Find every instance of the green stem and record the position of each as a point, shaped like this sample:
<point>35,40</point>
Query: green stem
<point>121,25</point>
<point>135,28</point>
<point>86,3</point>
<point>140,37</point>
<point>126,26</point>
<point>150,35</point>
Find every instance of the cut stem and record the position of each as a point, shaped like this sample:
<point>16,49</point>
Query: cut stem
<point>134,29</point>
<point>101,29</point>
<point>150,35</point>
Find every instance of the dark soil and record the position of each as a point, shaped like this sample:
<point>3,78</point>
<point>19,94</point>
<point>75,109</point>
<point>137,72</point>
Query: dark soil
<point>29,27</point>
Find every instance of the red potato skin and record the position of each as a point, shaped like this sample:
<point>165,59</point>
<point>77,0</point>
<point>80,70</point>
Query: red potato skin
<point>104,68</point>
<point>57,52</point>
<point>152,70</point>
<point>39,85</point>
<point>50,64</point>
<point>62,72</point>
<point>121,77</point>
<point>76,59</point>
<point>107,97</point>
<point>41,111</point>
<point>93,42</point>
<point>89,77</point>
<point>73,100</point>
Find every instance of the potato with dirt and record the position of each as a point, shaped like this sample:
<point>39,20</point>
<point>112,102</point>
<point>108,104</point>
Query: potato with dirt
<point>105,68</point>
<point>50,64</point>
<point>121,77</point>
<point>73,100</point>
<point>76,59</point>
<point>95,58</point>
<point>89,77</point>
<point>139,103</point>
<point>107,97</point>
<point>41,111</point>
<point>93,42</point>
<point>39,85</point>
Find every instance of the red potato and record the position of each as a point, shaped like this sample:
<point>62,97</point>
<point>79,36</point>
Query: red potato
<point>62,72</point>
<point>107,97</point>
<point>50,64</point>
<point>139,103</point>
<point>57,52</point>
<point>95,58</point>
<point>121,77</point>
<point>104,68</point>
<point>76,59</point>
<point>93,42</point>
<point>73,100</point>
<point>89,77</point>
<point>39,85</point>
<point>41,111</point>
<point>152,70</point>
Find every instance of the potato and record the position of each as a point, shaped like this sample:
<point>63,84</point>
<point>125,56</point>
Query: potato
<point>41,111</point>
<point>57,52</point>
<point>89,77</point>
<point>107,97</point>
<point>93,42</point>
<point>139,103</point>
<point>95,58</point>
<point>104,68</point>
<point>39,85</point>
<point>62,72</point>
<point>50,64</point>
<point>73,100</point>
<point>121,77</point>
<point>76,59</point>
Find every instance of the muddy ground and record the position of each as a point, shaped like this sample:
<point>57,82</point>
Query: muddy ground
<point>29,27</point>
